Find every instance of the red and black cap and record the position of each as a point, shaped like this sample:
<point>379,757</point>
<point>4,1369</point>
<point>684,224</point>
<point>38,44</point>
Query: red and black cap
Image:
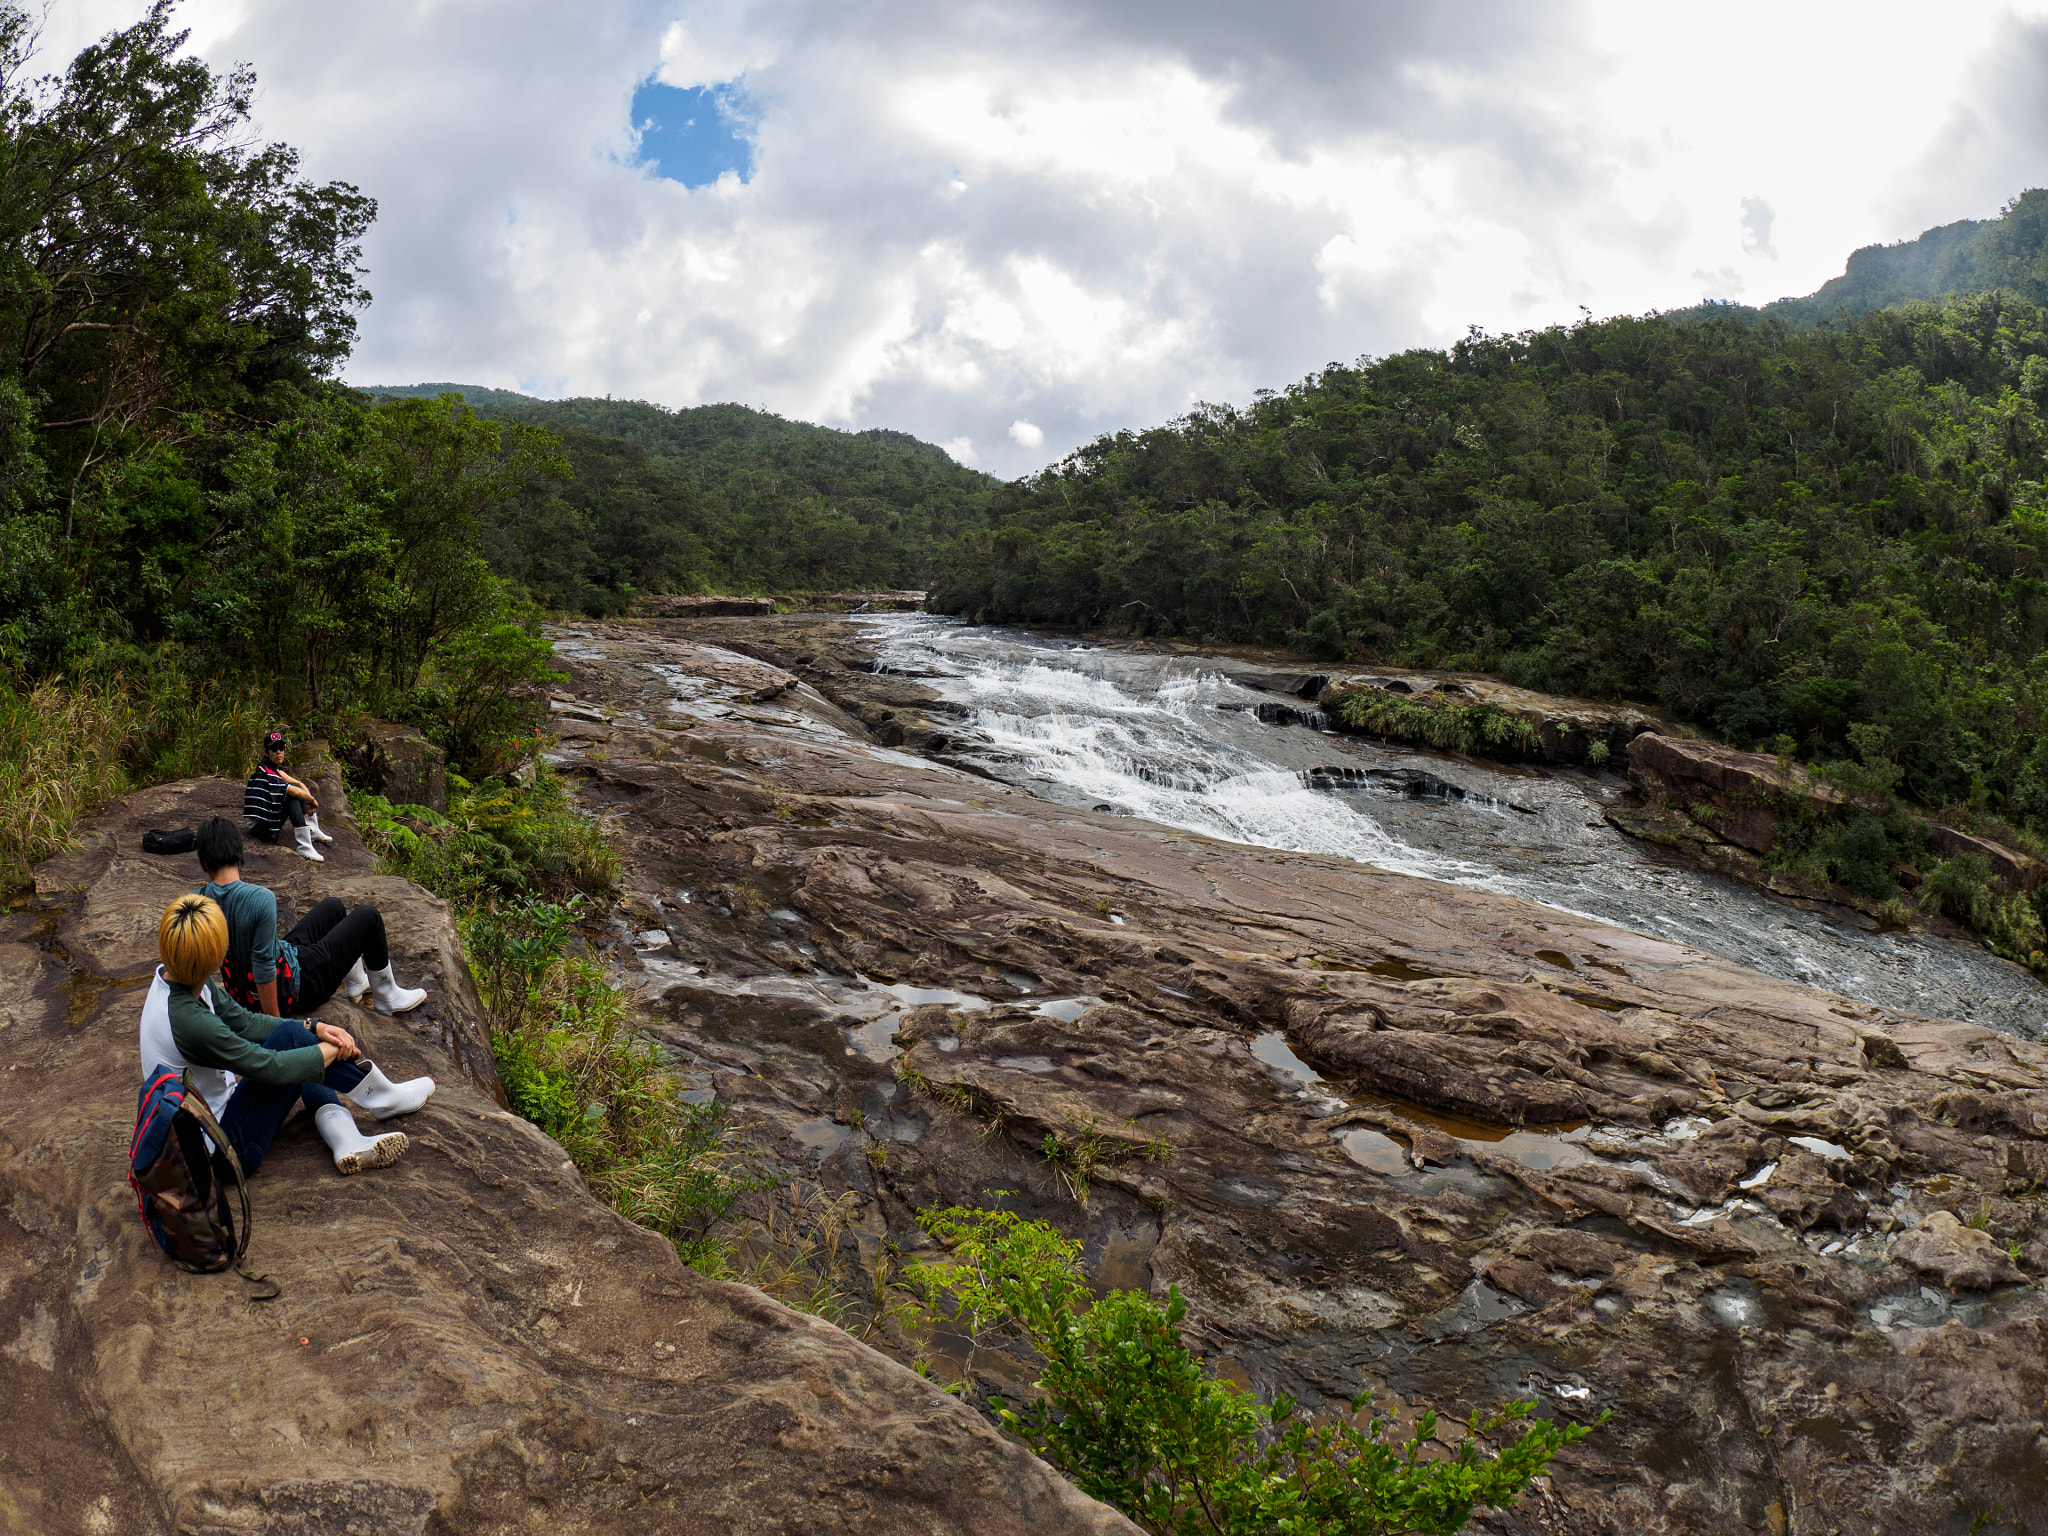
<point>274,742</point>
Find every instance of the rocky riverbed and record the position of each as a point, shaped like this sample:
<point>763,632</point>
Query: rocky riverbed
<point>1386,1132</point>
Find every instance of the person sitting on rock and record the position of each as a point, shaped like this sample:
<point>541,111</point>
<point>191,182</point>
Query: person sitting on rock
<point>251,1069</point>
<point>331,949</point>
<point>273,797</point>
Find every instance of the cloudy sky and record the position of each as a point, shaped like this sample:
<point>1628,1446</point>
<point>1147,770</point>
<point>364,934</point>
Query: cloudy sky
<point>1009,227</point>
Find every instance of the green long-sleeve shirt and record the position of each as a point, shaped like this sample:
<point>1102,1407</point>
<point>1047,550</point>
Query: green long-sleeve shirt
<point>230,1037</point>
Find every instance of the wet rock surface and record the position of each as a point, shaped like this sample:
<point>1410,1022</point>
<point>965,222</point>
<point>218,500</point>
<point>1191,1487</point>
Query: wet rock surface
<point>465,1342</point>
<point>1383,1132</point>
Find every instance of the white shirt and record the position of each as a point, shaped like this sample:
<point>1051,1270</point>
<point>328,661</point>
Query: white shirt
<point>212,1084</point>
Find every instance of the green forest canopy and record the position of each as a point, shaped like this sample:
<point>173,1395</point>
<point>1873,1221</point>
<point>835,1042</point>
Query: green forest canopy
<point>717,498</point>
<point>185,491</point>
<point>1781,534</point>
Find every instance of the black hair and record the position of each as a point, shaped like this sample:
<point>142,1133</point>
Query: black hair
<point>220,844</point>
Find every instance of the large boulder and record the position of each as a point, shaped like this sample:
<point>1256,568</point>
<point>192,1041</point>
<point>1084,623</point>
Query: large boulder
<point>465,1342</point>
<point>1747,790</point>
<point>1959,1256</point>
<point>1746,794</point>
<point>706,606</point>
<point>400,764</point>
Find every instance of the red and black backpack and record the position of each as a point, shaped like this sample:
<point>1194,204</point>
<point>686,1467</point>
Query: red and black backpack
<point>182,1185</point>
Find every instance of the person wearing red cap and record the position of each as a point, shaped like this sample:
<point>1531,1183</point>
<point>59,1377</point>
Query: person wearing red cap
<point>272,797</point>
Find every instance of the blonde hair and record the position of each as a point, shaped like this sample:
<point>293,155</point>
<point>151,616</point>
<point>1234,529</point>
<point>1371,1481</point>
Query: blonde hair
<point>192,938</point>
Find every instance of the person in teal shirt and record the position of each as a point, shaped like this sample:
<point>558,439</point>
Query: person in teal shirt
<point>331,950</point>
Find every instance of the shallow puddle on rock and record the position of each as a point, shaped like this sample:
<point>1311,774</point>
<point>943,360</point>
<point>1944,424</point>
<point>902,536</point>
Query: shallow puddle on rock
<point>1038,1064</point>
<point>876,1039</point>
<point>1395,970</point>
<point>1369,1149</point>
<point>1477,1306</point>
<point>1066,1009</point>
<point>1826,1149</point>
<point>821,1138</point>
<point>1735,1306</point>
<point>1272,1049</point>
<point>1125,1261</point>
<point>1541,1147</point>
<point>920,997</point>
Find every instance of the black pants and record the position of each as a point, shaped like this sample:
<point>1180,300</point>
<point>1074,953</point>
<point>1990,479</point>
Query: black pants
<point>294,816</point>
<point>329,942</point>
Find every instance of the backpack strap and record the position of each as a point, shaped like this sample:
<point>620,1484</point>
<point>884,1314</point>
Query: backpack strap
<point>227,1166</point>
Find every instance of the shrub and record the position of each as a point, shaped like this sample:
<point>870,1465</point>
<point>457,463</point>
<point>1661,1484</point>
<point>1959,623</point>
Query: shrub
<point>1322,639</point>
<point>1477,728</point>
<point>1859,856</point>
<point>1960,887</point>
<point>573,1062</point>
<point>498,839</point>
<point>485,695</point>
<point>1132,1417</point>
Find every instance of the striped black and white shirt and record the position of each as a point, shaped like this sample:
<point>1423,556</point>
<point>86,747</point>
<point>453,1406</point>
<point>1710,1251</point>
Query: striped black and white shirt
<point>263,799</point>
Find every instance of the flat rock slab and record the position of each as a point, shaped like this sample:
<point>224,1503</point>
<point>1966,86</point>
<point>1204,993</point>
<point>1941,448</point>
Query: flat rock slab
<point>466,1342</point>
<point>1750,1237</point>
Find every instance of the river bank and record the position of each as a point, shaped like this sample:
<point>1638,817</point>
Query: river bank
<point>1384,1131</point>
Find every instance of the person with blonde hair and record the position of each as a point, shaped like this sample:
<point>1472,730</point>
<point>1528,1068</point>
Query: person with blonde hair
<point>251,1068</point>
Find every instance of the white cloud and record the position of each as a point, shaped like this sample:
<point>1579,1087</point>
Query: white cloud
<point>1027,434</point>
<point>1089,214</point>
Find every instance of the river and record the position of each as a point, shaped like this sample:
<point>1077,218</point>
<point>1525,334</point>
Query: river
<point>1173,740</point>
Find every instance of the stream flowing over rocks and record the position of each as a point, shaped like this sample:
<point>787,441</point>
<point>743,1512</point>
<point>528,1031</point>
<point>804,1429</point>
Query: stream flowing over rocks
<point>1410,1072</point>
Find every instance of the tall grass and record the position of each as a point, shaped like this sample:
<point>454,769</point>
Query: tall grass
<point>69,745</point>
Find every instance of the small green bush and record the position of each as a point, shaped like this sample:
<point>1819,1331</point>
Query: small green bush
<point>1961,889</point>
<point>1859,856</point>
<point>1323,638</point>
<point>1484,729</point>
<point>1132,1416</point>
<point>499,838</point>
<point>573,1062</point>
<point>484,695</point>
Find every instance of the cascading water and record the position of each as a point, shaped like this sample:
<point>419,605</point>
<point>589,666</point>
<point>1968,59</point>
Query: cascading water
<point>1172,740</point>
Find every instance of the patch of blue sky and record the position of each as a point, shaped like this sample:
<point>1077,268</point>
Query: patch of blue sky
<point>693,136</point>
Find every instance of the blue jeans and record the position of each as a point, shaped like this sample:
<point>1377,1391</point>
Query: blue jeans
<point>256,1110</point>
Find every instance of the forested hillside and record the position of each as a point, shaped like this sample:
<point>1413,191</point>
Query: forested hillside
<point>1784,537</point>
<point>717,497</point>
<point>2009,252</point>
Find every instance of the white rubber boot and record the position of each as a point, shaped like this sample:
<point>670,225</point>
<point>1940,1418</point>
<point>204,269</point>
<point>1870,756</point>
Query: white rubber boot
<point>303,837</point>
<point>353,1151</point>
<point>390,997</point>
<point>381,1098</point>
<point>356,982</point>
<point>313,826</point>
